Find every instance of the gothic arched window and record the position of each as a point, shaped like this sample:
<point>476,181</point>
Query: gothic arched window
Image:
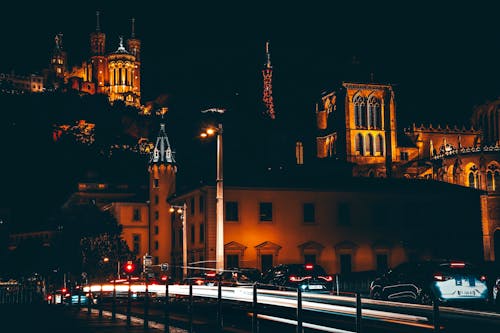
<point>379,145</point>
<point>473,177</point>
<point>358,142</point>
<point>359,111</point>
<point>374,116</point>
<point>492,178</point>
<point>371,145</point>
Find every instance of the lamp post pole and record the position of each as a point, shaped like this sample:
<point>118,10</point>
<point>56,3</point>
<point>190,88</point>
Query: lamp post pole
<point>219,249</point>
<point>184,242</point>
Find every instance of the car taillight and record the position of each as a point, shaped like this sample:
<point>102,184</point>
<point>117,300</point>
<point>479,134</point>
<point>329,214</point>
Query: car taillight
<point>211,274</point>
<point>482,278</point>
<point>327,278</point>
<point>198,282</point>
<point>441,277</point>
<point>294,278</point>
<point>457,264</point>
<point>309,267</point>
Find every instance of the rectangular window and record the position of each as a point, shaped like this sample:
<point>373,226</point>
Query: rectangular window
<point>155,183</point>
<point>157,215</point>
<point>382,262</point>
<point>191,206</point>
<point>231,211</point>
<point>232,261</point>
<point>202,233</point>
<point>156,245</point>
<point>266,261</point>
<point>309,213</point>
<point>192,234</point>
<point>156,200</point>
<point>157,261</point>
<point>136,243</point>
<point>201,204</point>
<point>344,213</point>
<point>309,258</point>
<point>345,264</point>
<point>404,156</point>
<point>137,214</point>
<point>156,230</point>
<point>266,211</point>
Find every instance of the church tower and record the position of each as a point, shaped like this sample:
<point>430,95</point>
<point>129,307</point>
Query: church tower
<point>162,174</point>
<point>58,63</point>
<point>96,71</point>
<point>357,124</point>
<point>134,47</point>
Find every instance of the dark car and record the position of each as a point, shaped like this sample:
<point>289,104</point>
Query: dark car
<point>307,277</point>
<point>240,277</point>
<point>424,282</point>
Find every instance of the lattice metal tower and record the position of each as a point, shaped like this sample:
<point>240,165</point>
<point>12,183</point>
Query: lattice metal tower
<point>267,97</point>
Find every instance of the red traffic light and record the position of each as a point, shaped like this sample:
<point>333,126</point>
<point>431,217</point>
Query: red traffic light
<point>64,290</point>
<point>129,267</point>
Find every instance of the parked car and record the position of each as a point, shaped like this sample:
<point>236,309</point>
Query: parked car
<point>307,277</point>
<point>423,282</point>
<point>240,277</point>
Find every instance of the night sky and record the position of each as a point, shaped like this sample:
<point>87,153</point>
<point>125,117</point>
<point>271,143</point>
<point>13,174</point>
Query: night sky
<point>442,59</point>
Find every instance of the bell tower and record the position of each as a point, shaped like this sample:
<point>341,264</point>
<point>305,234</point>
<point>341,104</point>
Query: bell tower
<point>162,175</point>
<point>97,72</point>
<point>134,47</point>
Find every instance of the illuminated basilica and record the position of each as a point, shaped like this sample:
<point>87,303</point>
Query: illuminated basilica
<point>116,74</point>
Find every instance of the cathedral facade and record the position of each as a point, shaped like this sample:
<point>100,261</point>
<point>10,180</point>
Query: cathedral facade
<point>116,74</point>
<point>356,123</point>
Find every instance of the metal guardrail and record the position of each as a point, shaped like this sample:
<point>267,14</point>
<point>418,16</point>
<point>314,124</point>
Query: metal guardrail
<point>354,306</point>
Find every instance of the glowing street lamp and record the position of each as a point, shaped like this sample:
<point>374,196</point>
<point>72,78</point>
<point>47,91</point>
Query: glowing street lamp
<point>219,213</point>
<point>181,210</point>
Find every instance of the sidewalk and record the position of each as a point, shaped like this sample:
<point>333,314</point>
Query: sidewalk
<point>61,319</point>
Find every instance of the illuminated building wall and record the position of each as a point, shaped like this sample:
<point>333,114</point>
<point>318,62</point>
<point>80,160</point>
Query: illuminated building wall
<point>363,220</point>
<point>134,219</point>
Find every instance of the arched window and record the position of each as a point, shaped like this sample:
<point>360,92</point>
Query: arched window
<point>358,142</point>
<point>490,185</point>
<point>374,116</point>
<point>358,110</point>
<point>473,177</point>
<point>371,145</point>
<point>379,145</point>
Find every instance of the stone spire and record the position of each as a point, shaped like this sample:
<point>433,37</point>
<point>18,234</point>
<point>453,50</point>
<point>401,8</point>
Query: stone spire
<point>162,152</point>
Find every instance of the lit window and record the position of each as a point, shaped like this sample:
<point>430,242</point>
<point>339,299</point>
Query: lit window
<point>266,211</point>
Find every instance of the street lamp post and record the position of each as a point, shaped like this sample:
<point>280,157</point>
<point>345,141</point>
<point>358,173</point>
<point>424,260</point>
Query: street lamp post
<point>219,213</point>
<point>182,210</point>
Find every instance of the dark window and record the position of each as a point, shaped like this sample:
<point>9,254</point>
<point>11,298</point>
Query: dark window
<point>157,215</point>
<point>231,211</point>
<point>309,213</point>
<point>266,262</point>
<point>201,204</point>
<point>309,258</point>
<point>156,200</point>
<point>191,206</point>
<point>157,261</point>
<point>192,234</point>
<point>155,183</point>
<point>156,245</point>
<point>202,233</point>
<point>136,243</point>
<point>404,156</point>
<point>232,261</point>
<point>156,230</point>
<point>382,262</point>
<point>345,264</point>
<point>344,213</point>
<point>266,211</point>
<point>137,214</point>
